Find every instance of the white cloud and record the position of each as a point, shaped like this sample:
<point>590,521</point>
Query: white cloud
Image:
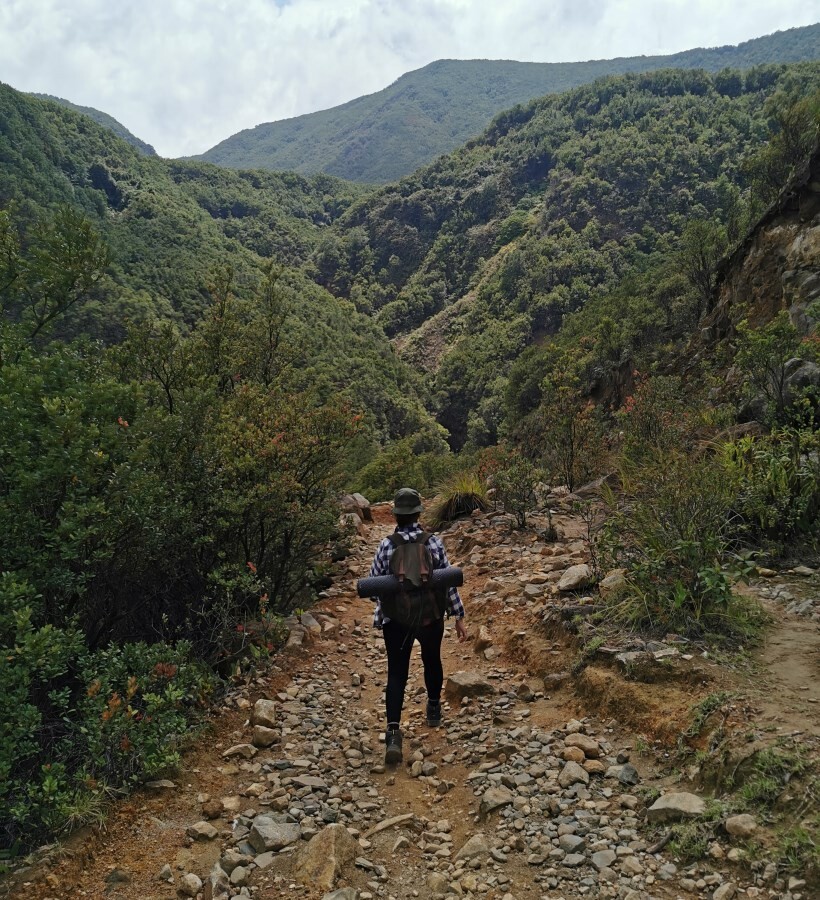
<point>184,74</point>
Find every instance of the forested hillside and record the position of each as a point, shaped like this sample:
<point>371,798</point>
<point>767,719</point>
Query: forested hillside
<point>102,118</point>
<point>386,135</point>
<point>548,212</point>
<point>173,228</point>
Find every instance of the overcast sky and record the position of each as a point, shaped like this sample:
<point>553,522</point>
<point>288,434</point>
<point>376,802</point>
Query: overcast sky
<point>185,74</point>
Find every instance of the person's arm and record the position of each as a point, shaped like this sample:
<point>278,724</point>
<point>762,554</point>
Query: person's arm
<point>381,561</point>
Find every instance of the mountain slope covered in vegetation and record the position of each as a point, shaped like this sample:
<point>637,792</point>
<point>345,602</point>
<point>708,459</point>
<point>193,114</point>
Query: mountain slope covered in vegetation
<point>383,136</point>
<point>173,228</point>
<point>102,118</point>
<point>550,210</point>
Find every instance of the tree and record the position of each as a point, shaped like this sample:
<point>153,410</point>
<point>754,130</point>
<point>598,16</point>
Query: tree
<point>60,262</point>
<point>763,354</point>
<point>703,245</point>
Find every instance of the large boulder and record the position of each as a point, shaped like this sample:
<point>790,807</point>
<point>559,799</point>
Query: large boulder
<point>467,684</point>
<point>326,855</point>
<point>358,506</point>
<point>674,807</point>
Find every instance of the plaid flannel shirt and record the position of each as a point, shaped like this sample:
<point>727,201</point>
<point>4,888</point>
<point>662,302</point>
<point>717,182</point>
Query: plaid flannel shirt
<point>381,566</point>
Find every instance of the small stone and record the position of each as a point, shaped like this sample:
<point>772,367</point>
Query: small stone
<point>573,860</point>
<point>571,774</point>
<point>247,751</point>
<point>212,808</point>
<point>264,713</point>
<point>575,578</point>
<point>217,885</point>
<point>603,859</point>
<point>588,745</point>
<point>496,797</point>
<point>118,876</point>
<point>326,855</point>
<point>673,807</point>
<point>477,845</point>
<point>628,774</point>
<point>166,874</point>
<point>613,584</point>
<point>725,891</point>
<point>467,684</point>
<point>265,834</point>
<point>571,843</point>
<point>264,737</point>
<point>239,876</point>
<point>190,885</point>
<point>484,640</point>
<point>742,826</point>
<point>201,831</point>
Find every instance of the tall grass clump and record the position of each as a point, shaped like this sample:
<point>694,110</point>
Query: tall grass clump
<point>458,496</point>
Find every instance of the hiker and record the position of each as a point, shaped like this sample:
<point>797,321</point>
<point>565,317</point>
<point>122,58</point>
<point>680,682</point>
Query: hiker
<point>398,638</point>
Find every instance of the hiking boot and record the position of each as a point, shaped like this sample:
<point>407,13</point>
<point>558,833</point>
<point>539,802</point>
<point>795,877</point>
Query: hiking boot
<point>433,714</point>
<point>392,747</point>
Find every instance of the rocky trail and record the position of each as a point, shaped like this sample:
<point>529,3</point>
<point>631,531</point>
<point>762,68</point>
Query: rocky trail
<point>547,779</point>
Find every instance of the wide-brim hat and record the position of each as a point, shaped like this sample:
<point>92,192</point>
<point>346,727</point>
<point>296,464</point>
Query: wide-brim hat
<point>407,502</point>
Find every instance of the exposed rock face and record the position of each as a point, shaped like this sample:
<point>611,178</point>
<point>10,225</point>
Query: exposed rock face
<point>778,266</point>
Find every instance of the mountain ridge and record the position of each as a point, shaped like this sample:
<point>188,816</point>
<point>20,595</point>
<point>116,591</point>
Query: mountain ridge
<point>104,119</point>
<point>383,136</point>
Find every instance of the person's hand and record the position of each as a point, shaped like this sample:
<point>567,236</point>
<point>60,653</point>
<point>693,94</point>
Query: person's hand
<point>461,631</point>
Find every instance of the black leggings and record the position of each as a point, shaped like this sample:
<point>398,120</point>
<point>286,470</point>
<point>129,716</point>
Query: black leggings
<point>398,641</point>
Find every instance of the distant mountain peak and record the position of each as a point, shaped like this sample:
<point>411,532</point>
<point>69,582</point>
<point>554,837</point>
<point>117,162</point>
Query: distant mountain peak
<point>428,112</point>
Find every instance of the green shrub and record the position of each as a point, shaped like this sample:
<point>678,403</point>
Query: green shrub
<point>403,464</point>
<point>515,486</point>
<point>778,482</point>
<point>76,727</point>
<point>672,528</point>
<point>458,496</point>
<point>655,417</point>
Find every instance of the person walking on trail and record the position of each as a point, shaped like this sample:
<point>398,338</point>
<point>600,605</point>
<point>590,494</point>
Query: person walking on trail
<point>429,631</point>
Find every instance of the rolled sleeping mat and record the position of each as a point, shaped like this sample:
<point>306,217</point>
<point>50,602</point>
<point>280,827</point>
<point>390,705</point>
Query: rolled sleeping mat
<point>385,585</point>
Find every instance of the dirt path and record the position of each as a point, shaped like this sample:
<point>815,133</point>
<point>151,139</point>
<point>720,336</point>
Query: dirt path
<point>567,787</point>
